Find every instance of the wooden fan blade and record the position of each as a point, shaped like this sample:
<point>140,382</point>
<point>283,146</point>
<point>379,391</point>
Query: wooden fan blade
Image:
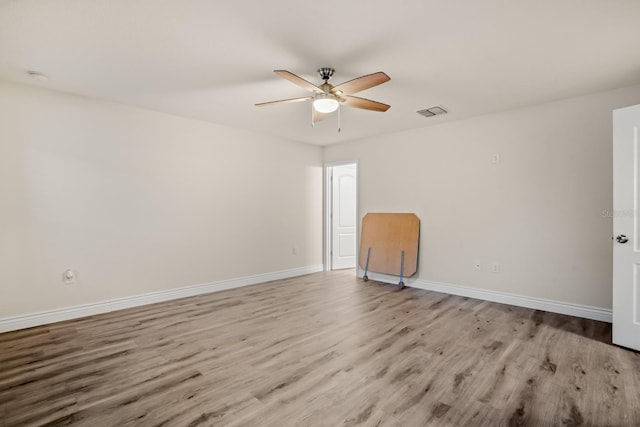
<point>365,104</point>
<point>285,101</point>
<point>297,80</point>
<point>317,116</point>
<point>361,83</point>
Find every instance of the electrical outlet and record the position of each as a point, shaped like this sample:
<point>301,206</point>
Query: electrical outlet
<point>478,266</point>
<point>495,267</point>
<point>69,276</point>
<point>495,158</point>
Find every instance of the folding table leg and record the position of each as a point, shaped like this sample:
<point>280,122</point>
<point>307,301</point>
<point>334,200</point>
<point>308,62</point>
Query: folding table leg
<point>366,266</point>
<point>401,270</point>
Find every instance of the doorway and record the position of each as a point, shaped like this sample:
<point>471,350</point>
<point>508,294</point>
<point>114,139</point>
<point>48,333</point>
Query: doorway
<point>341,215</point>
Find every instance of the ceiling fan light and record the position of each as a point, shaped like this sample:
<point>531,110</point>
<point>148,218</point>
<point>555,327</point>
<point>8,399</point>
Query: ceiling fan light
<point>325,104</point>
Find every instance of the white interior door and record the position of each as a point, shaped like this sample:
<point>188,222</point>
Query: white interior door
<point>343,224</point>
<point>626,244</point>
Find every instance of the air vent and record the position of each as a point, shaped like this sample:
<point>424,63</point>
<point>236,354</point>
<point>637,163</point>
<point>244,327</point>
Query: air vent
<point>432,111</point>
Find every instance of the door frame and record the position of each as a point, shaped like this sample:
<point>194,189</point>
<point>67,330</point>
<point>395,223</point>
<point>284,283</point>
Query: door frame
<point>327,202</point>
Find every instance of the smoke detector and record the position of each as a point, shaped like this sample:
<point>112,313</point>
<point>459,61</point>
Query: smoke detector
<point>432,111</point>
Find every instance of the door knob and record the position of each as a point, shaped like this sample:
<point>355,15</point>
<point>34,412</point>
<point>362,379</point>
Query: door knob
<point>621,238</point>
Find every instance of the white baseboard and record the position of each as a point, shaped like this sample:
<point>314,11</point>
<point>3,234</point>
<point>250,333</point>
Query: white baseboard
<point>587,312</point>
<point>68,313</point>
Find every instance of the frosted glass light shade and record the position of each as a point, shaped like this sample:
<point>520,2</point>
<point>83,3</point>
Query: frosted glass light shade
<point>325,105</point>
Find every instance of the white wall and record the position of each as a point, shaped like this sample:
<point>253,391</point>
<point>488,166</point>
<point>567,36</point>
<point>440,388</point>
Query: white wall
<point>539,212</point>
<point>138,201</point>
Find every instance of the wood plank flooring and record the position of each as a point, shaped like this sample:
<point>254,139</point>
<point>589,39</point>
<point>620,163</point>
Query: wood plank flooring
<point>319,350</point>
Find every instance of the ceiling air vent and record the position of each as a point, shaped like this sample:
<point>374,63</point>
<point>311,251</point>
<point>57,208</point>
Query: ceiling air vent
<point>432,111</point>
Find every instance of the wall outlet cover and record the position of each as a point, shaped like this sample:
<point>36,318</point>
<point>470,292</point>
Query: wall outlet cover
<point>69,276</point>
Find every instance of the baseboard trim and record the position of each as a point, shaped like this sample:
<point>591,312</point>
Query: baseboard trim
<point>560,307</point>
<point>58,315</point>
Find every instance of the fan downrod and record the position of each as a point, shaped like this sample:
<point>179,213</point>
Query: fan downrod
<point>326,73</point>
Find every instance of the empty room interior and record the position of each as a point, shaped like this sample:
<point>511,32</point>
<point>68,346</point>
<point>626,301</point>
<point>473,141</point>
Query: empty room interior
<point>338,213</point>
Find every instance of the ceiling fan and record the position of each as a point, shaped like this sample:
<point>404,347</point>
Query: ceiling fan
<point>327,98</point>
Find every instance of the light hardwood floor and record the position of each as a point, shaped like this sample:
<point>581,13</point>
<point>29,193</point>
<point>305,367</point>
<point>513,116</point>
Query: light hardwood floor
<point>320,350</point>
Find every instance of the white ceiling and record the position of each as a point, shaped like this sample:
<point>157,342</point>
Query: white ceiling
<point>213,59</point>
